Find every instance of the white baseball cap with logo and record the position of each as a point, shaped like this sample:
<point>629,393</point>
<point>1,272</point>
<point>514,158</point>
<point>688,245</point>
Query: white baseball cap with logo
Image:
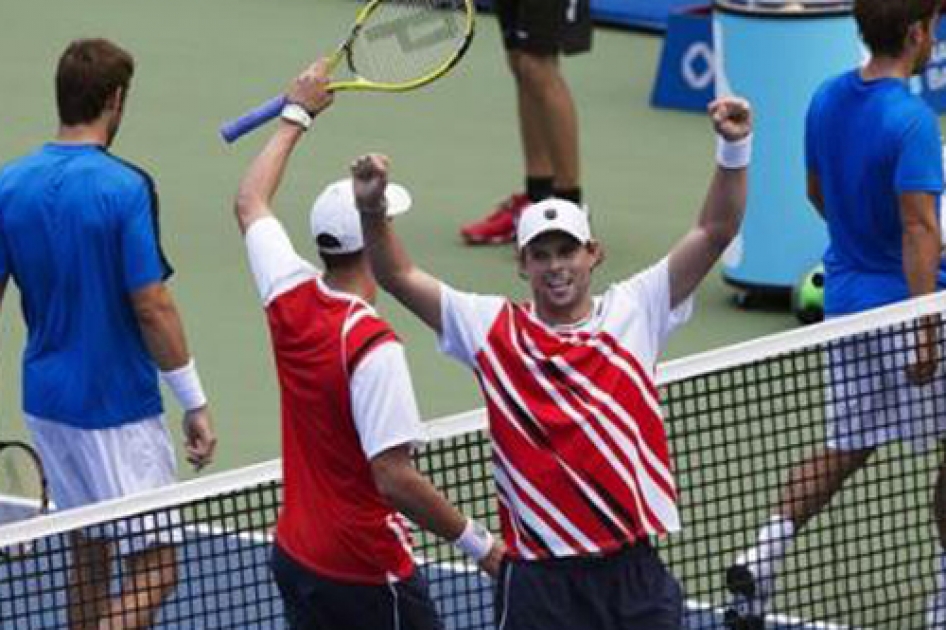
<point>335,216</point>
<point>553,215</point>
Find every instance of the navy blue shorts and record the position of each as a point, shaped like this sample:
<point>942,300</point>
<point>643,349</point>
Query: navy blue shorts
<point>627,590</point>
<point>313,602</point>
<point>545,27</point>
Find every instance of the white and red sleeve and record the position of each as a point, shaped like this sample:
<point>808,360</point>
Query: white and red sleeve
<point>383,403</point>
<point>276,266</point>
<point>466,319</point>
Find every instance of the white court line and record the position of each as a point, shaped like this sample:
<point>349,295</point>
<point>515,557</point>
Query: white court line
<point>17,501</point>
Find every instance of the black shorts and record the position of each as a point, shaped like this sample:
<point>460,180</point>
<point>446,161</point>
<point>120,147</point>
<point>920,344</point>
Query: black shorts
<point>312,602</point>
<point>545,27</point>
<point>628,590</point>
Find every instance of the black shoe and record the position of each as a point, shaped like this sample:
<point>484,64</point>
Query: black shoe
<point>746,610</point>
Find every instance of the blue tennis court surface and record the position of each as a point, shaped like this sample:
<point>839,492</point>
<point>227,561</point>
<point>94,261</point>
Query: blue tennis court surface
<point>224,582</point>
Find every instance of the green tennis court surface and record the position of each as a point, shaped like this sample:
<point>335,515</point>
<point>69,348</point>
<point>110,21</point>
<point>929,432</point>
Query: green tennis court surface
<point>738,420</point>
<point>454,145</point>
<point>241,593</point>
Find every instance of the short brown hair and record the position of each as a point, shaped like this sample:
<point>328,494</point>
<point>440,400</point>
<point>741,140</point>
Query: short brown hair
<point>884,23</point>
<point>89,71</point>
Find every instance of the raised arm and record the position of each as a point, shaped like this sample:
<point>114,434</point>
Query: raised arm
<point>307,98</point>
<point>719,220</point>
<point>392,266</point>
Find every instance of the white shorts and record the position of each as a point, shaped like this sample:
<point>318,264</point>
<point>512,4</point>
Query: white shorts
<point>872,402</point>
<point>85,466</point>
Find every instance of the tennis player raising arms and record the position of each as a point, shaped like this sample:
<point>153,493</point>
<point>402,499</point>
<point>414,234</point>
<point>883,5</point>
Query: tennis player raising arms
<point>342,556</point>
<point>580,454</point>
<point>79,236</point>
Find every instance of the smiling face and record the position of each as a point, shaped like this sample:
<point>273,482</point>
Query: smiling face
<point>558,268</point>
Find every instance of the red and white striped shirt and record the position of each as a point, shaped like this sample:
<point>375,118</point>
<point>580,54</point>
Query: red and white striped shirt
<point>579,447</point>
<point>346,396</point>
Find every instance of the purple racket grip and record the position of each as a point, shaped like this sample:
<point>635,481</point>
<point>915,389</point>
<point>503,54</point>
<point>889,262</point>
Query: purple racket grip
<point>236,129</point>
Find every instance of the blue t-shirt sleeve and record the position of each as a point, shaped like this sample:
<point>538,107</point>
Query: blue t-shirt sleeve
<point>142,261</point>
<point>920,163</point>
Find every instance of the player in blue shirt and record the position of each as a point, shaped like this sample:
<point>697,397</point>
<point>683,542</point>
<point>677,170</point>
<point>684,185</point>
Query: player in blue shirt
<point>79,237</point>
<point>875,173</point>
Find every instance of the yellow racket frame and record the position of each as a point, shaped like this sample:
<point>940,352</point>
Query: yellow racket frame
<point>359,83</point>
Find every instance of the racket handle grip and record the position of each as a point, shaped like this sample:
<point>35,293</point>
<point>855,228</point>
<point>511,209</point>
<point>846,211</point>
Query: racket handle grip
<point>235,129</point>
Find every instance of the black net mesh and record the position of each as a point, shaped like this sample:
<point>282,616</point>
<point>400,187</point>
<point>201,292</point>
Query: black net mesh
<point>740,422</point>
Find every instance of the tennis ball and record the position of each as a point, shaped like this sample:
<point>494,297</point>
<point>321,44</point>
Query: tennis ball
<point>808,296</point>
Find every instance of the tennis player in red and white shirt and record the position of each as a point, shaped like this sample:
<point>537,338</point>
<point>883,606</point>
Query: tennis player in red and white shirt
<point>342,556</point>
<point>580,454</point>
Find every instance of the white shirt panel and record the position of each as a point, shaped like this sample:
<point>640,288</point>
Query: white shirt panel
<point>383,403</point>
<point>636,312</point>
<point>276,266</point>
<point>466,319</point>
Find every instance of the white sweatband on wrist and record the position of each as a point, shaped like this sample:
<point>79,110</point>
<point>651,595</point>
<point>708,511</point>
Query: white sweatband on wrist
<point>297,115</point>
<point>733,155</point>
<point>475,541</point>
<point>185,385</point>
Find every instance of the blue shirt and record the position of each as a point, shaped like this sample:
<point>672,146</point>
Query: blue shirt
<point>869,142</point>
<point>78,234</point>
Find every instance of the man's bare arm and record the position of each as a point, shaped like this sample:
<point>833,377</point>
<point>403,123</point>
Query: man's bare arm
<point>261,181</point>
<point>721,215</point>
<point>163,333</point>
<point>390,262</point>
<point>815,195</point>
<point>414,496</point>
<point>921,242</point>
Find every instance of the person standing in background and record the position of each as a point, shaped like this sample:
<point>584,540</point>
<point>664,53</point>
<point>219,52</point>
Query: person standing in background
<point>535,35</point>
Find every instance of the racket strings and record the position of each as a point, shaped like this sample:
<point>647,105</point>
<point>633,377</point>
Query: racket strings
<point>405,40</point>
<point>21,484</point>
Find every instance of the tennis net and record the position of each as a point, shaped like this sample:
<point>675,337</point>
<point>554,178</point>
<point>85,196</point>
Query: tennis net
<point>739,419</point>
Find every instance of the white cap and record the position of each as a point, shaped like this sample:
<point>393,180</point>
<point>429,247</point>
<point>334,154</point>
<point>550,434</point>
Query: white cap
<point>553,215</point>
<point>334,214</point>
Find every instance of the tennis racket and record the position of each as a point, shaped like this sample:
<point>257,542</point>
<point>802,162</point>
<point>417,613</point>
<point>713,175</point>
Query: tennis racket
<point>24,492</point>
<point>394,46</point>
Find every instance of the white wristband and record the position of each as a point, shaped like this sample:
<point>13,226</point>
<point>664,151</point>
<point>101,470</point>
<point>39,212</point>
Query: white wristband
<point>475,541</point>
<point>185,384</point>
<point>733,155</point>
<point>296,114</point>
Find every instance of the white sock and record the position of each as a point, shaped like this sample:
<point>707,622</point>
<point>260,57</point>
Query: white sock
<point>774,539</point>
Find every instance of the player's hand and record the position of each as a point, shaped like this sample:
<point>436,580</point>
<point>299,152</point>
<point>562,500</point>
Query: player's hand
<point>732,117</point>
<point>924,368</point>
<point>310,89</point>
<point>494,559</point>
<point>369,175</point>
<point>200,441</point>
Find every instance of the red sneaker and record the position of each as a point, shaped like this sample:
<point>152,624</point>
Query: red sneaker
<point>499,226</point>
